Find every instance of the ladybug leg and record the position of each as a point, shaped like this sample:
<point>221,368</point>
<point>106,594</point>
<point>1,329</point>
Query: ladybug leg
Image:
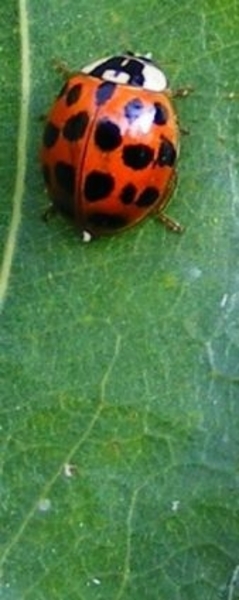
<point>170,223</point>
<point>49,212</point>
<point>161,215</point>
<point>181,92</point>
<point>62,68</point>
<point>43,118</point>
<point>184,130</point>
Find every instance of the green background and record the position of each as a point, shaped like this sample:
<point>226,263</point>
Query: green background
<point>120,358</point>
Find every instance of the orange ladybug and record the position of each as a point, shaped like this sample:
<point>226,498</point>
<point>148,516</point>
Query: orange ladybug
<point>110,145</point>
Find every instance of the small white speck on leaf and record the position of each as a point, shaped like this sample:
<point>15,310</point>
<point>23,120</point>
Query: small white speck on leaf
<point>224,300</point>
<point>94,580</point>
<point>86,237</point>
<point>69,470</point>
<point>175,505</point>
<point>194,273</point>
<point>44,505</point>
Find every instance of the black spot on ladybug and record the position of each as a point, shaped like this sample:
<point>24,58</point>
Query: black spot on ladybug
<point>167,154</point>
<point>161,114</point>
<point>98,185</point>
<point>107,135</point>
<point>46,175</point>
<point>65,177</point>
<point>50,135</point>
<point>137,156</point>
<point>128,193</point>
<point>133,109</point>
<point>148,197</point>
<point>75,126</point>
<point>104,92</point>
<point>73,94</point>
<point>106,221</point>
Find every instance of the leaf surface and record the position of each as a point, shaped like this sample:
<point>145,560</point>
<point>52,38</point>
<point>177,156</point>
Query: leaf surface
<point>119,359</point>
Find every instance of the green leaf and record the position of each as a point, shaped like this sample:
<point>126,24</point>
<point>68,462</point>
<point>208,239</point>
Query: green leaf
<point>119,359</point>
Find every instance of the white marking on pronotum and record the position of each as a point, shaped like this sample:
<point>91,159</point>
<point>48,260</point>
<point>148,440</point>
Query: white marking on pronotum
<point>21,155</point>
<point>121,77</point>
<point>154,78</point>
<point>92,66</point>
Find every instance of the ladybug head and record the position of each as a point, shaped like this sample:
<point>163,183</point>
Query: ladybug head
<point>129,69</point>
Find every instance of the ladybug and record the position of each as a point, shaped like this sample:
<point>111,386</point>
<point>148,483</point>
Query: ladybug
<point>110,145</point>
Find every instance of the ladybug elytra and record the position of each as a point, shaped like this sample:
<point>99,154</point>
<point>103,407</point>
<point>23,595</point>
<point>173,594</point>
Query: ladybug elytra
<point>110,145</point>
